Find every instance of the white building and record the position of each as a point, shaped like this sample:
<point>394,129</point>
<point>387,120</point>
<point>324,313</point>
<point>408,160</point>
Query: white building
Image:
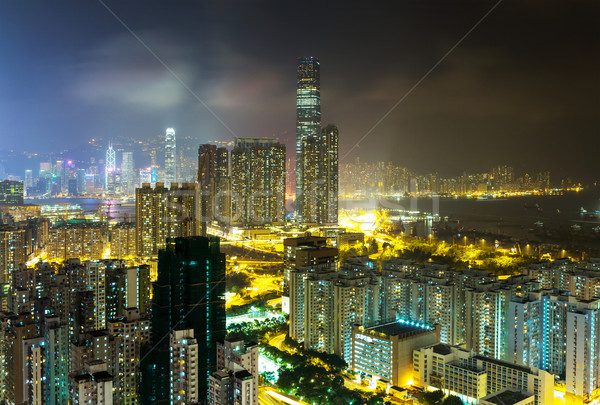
<point>472,377</point>
<point>235,356</point>
<point>183,375</point>
<point>93,386</point>
<point>561,334</point>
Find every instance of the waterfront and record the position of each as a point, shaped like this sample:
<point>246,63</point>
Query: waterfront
<point>517,217</point>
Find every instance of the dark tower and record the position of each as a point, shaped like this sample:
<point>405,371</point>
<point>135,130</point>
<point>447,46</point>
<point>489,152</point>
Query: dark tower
<point>188,294</point>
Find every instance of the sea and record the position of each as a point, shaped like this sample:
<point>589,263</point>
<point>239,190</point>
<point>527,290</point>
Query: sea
<point>518,217</point>
<point>522,217</point>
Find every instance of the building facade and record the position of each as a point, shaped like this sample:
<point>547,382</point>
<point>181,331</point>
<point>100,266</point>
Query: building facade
<point>188,294</point>
<point>258,182</point>
<point>163,212</point>
<point>170,157</point>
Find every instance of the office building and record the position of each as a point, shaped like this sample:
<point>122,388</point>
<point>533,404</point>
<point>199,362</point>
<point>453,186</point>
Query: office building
<point>258,182</point>
<point>11,192</point>
<point>384,351</point>
<point>308,115</point>
<point>110,169</point>
<point>127,173</point>
<point>170,157</point>
<point>188,294</point>
<point>163,212</point>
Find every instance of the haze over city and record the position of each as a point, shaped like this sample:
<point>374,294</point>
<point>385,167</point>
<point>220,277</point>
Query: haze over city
<point>310,203</point>
<point>521,88</point>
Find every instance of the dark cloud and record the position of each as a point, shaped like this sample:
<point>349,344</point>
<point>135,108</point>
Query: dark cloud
<point>522,88</point>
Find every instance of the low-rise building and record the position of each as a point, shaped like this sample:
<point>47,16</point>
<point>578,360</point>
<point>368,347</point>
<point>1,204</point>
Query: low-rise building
<point>472,377</point>
<point>384,351</point>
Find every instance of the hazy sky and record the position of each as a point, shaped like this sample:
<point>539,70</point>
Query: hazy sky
<point>522,88</point>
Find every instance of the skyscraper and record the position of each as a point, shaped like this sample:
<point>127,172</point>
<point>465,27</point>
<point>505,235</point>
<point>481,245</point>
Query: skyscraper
<point>127,175</point>
<point>330,136</point>
<point>170,157</point>
<point>258,181</point>
<point>188,294</point>
<point>163,213</point>
<point>109,169</point>
<point>11,192</point>
<point>215,183</point>
<point>308,114</point>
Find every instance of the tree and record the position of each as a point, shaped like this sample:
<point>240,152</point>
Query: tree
<point>453,400</point>
<point>432,398</point>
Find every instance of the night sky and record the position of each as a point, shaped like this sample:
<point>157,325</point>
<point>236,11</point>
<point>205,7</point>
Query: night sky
<point>523,88</point>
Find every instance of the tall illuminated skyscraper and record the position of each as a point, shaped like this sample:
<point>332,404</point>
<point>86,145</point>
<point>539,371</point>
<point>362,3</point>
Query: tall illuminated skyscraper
<point>109,168</point>
<point>308,115</point>
<point>127,175</point>
<point>170,157</point>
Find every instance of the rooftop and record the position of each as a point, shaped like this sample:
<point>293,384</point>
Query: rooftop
<point>400,328</point>
<point>442,349</point>
<point>504,364</point>
<point>507,396</point>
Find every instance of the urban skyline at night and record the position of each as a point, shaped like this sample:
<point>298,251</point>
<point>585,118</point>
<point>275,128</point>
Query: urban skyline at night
<point>235,203</point>
<point>511,83</point>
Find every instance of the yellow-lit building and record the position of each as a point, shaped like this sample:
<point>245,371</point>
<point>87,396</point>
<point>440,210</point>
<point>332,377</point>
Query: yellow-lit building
<point>77,239</point>
<point>123,240</point>
<point>163,212</point>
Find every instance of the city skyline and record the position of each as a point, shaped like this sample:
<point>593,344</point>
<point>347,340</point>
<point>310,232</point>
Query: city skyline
<point>182,222</point>
<point>521,97</point>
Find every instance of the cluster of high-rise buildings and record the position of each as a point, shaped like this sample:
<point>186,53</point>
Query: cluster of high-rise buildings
<point>386,178</point>
<point>542,323</point>
<point>91,326</point>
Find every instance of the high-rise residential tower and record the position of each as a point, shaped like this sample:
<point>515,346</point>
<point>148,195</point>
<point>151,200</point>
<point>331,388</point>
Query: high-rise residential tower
<point>215,183</point>
<point>258,181</point>
<point>320,184</point>
<point>330,136</point>
<point>170,157</point>
<point>308,114</point>
<point>163,212</point>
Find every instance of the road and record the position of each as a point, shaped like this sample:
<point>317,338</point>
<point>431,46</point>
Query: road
<point>271,396</point>
<point>277,341</point>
